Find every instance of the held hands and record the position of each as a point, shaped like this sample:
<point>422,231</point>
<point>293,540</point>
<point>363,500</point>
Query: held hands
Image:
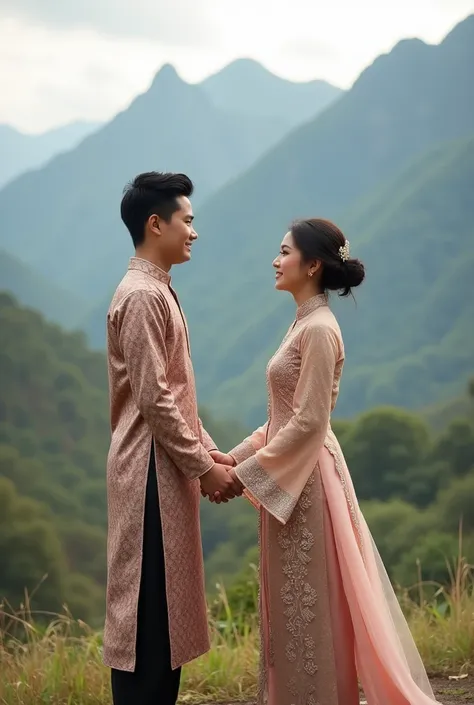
<point>229,461</point>
<point>221,483</point>
<point>222,458</point>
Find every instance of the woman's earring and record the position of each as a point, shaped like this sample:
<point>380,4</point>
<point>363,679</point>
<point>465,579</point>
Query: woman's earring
<point>310,274</point>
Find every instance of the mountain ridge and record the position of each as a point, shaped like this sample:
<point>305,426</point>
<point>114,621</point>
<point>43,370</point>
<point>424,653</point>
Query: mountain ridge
<point>408,347</point>
<point>172,126</point>
<point>21,152</point>
<point>31,290</point>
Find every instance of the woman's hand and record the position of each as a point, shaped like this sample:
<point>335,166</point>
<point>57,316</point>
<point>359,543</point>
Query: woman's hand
<point>229,462</point>
<point>222,458</point>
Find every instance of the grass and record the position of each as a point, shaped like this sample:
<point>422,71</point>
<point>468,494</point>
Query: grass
<point>58,660</point>
<point>443,626</point>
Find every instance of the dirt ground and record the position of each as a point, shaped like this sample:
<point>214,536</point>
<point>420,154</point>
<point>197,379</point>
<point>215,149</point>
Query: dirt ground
<point>454,692</point>
<point>447,692</point>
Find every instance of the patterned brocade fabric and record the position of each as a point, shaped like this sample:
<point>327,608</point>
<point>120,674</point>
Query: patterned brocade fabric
<point>153,398</point>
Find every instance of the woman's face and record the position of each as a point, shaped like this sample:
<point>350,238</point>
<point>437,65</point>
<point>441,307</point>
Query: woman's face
<point>291,273</point>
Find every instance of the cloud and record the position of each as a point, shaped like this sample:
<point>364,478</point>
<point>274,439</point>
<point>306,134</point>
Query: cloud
<point>63,60</point>
<point>50,77</point>
<point>171,22</point>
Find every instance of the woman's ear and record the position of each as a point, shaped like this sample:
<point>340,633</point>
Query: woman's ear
<point>314,268</point>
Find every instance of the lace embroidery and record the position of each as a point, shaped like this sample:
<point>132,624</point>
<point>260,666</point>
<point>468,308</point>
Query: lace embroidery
<point>332,448</point>
<point>311,305</point>
<point>265,489</point>
<point>302,698</point>
<point>299,596</point>
<point>269,406</point>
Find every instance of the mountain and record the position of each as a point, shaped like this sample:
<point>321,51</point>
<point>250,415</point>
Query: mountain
<point>246,87</point>
<point>402,104</point>
<point>400,108</point>
<point>410,340</point>
<point>20,152</point>
<point>30,289</point>
<point>76,196</point>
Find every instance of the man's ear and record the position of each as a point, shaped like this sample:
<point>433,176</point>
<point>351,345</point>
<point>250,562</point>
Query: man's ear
<point>154,224</point>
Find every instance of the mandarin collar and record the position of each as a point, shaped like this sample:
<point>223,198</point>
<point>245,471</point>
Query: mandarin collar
<point>144,265</point>
<point>311,305</point>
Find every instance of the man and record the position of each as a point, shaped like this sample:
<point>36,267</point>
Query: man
<point>159,458</point>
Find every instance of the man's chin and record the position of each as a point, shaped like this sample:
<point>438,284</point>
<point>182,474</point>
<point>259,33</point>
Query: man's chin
<point>185,257</point>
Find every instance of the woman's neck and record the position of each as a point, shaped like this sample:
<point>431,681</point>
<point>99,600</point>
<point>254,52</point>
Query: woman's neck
<point>305,294</point>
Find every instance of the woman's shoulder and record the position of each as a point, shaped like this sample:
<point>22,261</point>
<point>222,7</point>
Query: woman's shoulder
<point>322,324</point>
<point>323,321</point>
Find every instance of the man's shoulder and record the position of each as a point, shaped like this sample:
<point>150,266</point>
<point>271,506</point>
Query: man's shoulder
<point>135,284</point>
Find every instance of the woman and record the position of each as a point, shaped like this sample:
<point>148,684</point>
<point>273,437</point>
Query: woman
<point>328,612</point>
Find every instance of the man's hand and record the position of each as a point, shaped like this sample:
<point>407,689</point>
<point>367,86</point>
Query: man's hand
<point>237,482</point>
<point>219,485</point>
<point>222,458</point>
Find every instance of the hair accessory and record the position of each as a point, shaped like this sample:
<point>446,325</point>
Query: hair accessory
<point>344,252</point>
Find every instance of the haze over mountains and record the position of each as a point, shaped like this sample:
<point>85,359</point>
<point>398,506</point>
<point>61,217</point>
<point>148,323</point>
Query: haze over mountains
<point>173,126</point>
<point>21,152</point>
<point>391,160</point>
<point>246,87</point>
<point>408,102</point>
<point>35,291</point>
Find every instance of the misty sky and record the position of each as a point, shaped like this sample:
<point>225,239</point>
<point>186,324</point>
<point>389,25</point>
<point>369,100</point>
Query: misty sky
<point>62,60</point>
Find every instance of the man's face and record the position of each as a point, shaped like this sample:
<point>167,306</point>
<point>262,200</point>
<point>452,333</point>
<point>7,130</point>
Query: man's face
<point>177,236</point>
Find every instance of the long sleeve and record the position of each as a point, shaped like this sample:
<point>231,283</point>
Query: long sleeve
<point>141,330</point>
<point>250,445</point>
<point>278,472</point>
<point>206,439</point>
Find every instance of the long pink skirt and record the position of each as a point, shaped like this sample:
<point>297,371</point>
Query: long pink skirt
<point>329,616</point>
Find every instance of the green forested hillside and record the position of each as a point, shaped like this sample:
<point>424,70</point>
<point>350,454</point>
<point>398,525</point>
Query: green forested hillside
<point>31,289</point>
<point>409,340</point>
<point>54,434</point>
<point>53,439</point>
<point>415,311</point>
<point>401,107</point>
<point>383,161</point>
<point>392,161</point>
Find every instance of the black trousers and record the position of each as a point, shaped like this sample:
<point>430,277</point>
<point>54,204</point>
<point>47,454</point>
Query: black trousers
<point>153,682</point>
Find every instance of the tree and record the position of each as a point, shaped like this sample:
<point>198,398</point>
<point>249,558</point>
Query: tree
<point>430,556</point>
<point>395,525</point>
<point>456,446</point>
<point>455,506</point>
<point>31,556</point>
<point>382,448</point>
